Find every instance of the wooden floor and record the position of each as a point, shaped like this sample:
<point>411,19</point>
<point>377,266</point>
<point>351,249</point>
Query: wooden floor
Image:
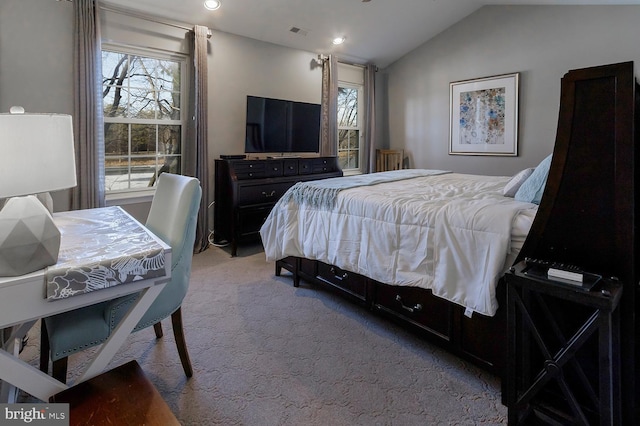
<point>122,396</point>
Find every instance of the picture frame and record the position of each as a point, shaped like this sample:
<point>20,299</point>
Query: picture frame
<point>483,116</point>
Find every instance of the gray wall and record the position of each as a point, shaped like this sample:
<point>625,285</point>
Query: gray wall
<point>36,61</point>
<point>36,41</point>
<point>540,42</point>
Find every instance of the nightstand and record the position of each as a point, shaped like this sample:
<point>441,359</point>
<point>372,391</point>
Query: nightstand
<point>563,351</point>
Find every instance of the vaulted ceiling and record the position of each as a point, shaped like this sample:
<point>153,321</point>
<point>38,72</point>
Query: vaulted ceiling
<point>376,31</point>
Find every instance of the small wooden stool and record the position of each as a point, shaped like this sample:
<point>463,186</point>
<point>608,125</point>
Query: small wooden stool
<point>122,396</point>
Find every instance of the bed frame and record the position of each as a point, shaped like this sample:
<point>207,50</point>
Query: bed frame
<point>588,217</point>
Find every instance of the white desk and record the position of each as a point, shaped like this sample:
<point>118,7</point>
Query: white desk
<point>23,299</point>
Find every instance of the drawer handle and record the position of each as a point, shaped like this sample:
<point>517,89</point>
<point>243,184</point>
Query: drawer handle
<point>416,308</point>
<point>269,195</point>
<point>344,275</point>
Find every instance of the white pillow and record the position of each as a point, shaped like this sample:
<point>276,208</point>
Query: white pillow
<point>516,181</point>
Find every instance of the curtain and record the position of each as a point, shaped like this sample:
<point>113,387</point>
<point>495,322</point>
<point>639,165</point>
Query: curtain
<point>87,116</point>
<point>200,149</point>
<point>369,118</point>
<point>329,112</point>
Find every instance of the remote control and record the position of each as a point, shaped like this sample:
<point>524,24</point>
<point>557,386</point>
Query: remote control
<point>558,270</point>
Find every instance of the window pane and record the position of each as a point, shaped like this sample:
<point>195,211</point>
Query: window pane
<point>354,139</point>
<point>116,139</point>
<point>143,139</point>
<point>168,105</point>
<point>142,172</point>
<point>347,107</point>
<point>168,76</point>
<point>171,164</point>
<point>169,140</point>
<point>349,159</point>
<point>114,68</point>
<point>142,104</point>
<point>348,139</point>
<point>115,101</point>
<point>116,175</point>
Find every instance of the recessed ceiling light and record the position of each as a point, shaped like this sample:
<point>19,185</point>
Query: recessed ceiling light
<point>339,40</point>
<point>212,4</point>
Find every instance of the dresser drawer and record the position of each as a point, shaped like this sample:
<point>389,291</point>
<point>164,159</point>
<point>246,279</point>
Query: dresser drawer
<point>351,282</point>
<point>258,194</point>
<point>250,219</point>
<point>250,169</point>
<point>258,169</point>
<point>324,165</point>
<point>416,305</point>
<point>290,167</point>
<point>305,166</point>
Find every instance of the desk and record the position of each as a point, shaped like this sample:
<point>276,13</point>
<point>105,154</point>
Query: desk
<point>23,299</point>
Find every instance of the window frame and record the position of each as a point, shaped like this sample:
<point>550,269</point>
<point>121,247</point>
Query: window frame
<point>360,88</point>
<point>136,195</point>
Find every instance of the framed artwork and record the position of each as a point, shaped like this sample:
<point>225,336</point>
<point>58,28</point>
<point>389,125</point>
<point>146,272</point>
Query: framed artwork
<point>484,116</point>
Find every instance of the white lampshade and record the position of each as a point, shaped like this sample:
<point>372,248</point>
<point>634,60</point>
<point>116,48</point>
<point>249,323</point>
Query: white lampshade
<point>36,153</point>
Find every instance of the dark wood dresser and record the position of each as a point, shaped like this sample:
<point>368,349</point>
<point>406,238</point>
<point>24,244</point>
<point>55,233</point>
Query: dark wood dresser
<point>247,190</point>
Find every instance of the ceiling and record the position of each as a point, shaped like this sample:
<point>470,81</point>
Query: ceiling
<point>376,31</point>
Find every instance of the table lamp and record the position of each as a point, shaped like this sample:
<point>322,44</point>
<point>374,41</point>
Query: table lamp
<point>36,155</point>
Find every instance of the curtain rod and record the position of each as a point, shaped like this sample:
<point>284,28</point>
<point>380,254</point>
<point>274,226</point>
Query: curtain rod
<point>322,57</point>
<point>150,18</point>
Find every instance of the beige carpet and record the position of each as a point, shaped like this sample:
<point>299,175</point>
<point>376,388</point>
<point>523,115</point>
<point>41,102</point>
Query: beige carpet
<point>266,353</point>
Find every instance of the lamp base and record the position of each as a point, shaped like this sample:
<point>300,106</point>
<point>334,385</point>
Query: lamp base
<point>29,239</point>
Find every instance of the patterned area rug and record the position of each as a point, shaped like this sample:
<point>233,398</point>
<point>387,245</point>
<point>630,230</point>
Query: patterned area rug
<point>266,353</point>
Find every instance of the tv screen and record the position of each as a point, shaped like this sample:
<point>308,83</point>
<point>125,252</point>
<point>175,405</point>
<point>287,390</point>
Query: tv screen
<point>276,125</point>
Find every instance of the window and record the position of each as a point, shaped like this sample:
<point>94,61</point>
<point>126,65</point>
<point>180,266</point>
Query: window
<point>350,95</point>
<point>348,127</point>
<point>144,119</point>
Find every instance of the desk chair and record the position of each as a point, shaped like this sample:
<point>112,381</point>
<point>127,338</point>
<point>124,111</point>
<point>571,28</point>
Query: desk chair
<point>173,217</point>
<point>389,159</point>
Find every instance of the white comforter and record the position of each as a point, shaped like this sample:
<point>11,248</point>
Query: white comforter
<point>452,233</point>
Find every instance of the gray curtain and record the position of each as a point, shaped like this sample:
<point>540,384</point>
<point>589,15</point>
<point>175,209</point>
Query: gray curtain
<point>200,148</point>
<point>369,118</point>
<point>87,116</point>
<point>329,117</point>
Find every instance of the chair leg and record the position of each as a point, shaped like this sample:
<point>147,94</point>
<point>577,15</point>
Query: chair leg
<point>59,369</point>
<point>178,334</point>
<point>158,329</point>
<point>44,347</point>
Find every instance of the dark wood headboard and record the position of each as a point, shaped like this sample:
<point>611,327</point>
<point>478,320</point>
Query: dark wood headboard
<point>588,213</point>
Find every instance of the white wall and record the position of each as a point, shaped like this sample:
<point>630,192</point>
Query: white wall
<point>540,42</point>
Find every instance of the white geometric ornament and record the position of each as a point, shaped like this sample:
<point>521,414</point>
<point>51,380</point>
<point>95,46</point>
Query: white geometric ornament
<point>29,239</point>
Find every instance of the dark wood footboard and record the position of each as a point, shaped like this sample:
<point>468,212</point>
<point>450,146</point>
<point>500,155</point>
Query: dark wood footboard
<point>479,339</point>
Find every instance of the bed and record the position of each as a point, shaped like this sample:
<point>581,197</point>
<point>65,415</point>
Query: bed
<point>450,233</point>
<point>587,216</point>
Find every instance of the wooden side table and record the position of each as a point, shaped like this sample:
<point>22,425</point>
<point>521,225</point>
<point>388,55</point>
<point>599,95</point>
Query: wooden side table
<point>122,396</point>
<point>558,372</point>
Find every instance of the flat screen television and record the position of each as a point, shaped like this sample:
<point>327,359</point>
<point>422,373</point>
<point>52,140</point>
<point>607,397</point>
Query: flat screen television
<point>281,126</point>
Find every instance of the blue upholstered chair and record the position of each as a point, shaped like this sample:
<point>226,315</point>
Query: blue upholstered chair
<point>173,217</point>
